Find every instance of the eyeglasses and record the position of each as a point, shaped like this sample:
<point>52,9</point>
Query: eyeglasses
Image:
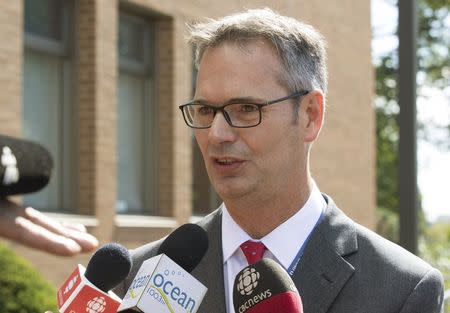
<point>239,113</point>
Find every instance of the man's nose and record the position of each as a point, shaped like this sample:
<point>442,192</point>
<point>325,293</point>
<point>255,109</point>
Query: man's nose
<point>220,131</point>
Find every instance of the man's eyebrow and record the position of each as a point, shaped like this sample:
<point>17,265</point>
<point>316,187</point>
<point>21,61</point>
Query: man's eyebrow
<point>248,99</point>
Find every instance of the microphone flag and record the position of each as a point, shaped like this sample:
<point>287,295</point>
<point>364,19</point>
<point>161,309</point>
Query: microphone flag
<point>265,287</point>
<point>162,286</point>
<point>78,295</point>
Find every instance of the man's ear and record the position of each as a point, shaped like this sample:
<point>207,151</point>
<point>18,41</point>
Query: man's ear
<point>314,109</point>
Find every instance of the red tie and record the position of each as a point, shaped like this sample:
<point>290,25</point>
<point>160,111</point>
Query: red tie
<point>253,251</point>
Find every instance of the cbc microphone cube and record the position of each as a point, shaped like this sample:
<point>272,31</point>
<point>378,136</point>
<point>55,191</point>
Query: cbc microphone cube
<point>78,295</point>
<point>162,286</point>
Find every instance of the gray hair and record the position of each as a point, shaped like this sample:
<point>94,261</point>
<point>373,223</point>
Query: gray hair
<point>300,47</point>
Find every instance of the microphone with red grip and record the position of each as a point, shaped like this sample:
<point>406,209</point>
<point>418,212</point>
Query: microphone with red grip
<point>265,287</point>
<point>88,290</point>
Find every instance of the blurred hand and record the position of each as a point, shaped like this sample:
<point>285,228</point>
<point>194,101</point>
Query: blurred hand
<point>36,230</point>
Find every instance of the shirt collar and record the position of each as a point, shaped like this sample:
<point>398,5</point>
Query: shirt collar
<point>283,242</point>
<point>232,234</point>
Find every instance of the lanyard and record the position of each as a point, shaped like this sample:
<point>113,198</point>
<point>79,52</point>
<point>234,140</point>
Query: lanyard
<point>297,258</point>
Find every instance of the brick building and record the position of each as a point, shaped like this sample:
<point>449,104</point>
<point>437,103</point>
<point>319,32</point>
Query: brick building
<point>98,82</point>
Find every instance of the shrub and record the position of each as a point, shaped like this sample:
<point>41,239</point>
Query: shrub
<point>22,288</point>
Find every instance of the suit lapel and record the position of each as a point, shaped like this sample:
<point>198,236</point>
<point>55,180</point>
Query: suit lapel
<point>210,270</point>
<point>322,271</point>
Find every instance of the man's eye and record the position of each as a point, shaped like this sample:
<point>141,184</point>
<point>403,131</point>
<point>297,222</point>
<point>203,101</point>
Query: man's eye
<point>204,110</point>
<point>247,108</point>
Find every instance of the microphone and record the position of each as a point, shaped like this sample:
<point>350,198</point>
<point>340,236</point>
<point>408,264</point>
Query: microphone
<point>265,287</point>
<point>164,283</point>
<point>186,246</point>
<point>88,290</point>
<point>25,166</point>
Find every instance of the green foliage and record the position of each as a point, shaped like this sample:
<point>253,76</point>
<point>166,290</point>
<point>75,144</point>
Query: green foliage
<point>387,160</point>
<point>387,224</point>
<point>22,289</point>
<point>434,41</point>
<point>433,70</point>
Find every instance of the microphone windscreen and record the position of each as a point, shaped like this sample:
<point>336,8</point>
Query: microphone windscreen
<point>108,266</point>
<point>25,166</point>
<point>265,287</point>
<point>186,246</point>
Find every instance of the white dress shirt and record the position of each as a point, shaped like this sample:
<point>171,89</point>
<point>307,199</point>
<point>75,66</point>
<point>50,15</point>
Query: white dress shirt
<point>283,243</point>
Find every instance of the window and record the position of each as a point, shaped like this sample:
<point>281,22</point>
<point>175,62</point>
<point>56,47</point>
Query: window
<point>136,117</point>
<point>47,84</point>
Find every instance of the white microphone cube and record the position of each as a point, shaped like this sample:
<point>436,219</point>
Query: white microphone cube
<point>162,286</point>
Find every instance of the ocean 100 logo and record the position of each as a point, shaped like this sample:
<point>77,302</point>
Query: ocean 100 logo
<point>247,281</point>
<point>163,284</point>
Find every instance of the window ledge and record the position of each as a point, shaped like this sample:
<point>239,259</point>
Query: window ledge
<point>86,220</point>
<point>123,221</point>
<point>145,221</point>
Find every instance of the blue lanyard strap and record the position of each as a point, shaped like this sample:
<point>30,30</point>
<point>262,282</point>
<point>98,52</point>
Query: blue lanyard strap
<point>299,255</point>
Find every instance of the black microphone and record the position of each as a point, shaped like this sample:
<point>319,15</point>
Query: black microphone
<point>107,267</point>
<point>163,283</point>
<point>186,246</point>
<point>265,287</point>
<point>25,166</point>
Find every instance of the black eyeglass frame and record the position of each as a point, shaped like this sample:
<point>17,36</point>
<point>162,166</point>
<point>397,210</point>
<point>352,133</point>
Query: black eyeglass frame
<point>227,117</point>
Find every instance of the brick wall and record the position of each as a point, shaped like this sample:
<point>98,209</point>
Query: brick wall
<point>11,37</point>
<point>86,89</point>
<point>97,107</point>
<point>164,99</point>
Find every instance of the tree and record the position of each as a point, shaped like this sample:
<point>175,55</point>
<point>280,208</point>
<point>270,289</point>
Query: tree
<point>433,72</point>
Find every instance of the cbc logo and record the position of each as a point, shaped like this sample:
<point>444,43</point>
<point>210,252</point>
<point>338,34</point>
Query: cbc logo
<point>96,305</point>
<point>247,281</point>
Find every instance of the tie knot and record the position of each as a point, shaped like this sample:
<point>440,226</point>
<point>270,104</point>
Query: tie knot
<point>253,251</point>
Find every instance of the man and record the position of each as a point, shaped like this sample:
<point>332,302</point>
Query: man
<point>258,107</point>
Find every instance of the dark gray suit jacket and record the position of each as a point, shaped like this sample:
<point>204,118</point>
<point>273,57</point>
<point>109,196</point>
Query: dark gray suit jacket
<point>345,268</point>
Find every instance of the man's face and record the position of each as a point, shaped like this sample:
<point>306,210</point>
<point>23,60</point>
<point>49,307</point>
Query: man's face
<point>258,161</point>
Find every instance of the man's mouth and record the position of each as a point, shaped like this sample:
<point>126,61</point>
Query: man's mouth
<point>226,161</point>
